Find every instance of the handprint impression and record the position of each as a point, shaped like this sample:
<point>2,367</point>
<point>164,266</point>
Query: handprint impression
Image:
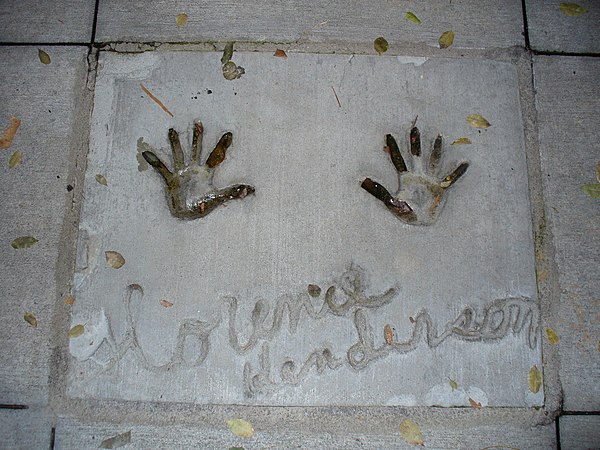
<point>420,195</point>
<point>190,189</point>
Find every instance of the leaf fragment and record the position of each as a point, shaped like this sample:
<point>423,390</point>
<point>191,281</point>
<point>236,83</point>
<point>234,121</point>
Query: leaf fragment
<point>44,57</point>
<point>591,189</point>
<point>9,133</point>
<point>181,20</point>
<point>23,242</point>
<point>572,9</point>
<point>114,259</point>
<point>231,71</point>
<point>76,331</point>
<point>117,441</point>
<point>166,303</point>
<point>453,384</point>
<point>478,121</point>
<point>474,404</point>
<point>446,39</point>
<point>240,428</point>
<point>30,319</point>
<point>462,141</point>
<point>314,290</point>
<point>280,53</point>
<point>227,53</point>
<point>70,300</point>
<point>380,45</point>
<point>552,336</point>
<point>15,159</point>
<point>101,179</point>
<point>534,379</point>
<point>412,17</point>
<point>411,432</point>
<point>388,334</point>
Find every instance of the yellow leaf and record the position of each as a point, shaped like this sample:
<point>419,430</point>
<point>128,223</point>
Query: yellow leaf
<point>70,300</point>
<point>446,39</point>
<point>101,179</point>
<point>453,384</point>
<point>9,133</point>
<point>15,159</point>
<point>380,45</point>
<point>114,259</point>
<point>462,141</point>
<point>411,432</point>
<point>44,57</point>
<point>181,19</point>
<point>76,331</point>
<point>240,428</point>
<point>30,319</point>
<point>166,303</point>
<point>572,9</point>
<point>534,379</point>
<point>477,121</point>
<point>23,242</point>
<point>592,189</point>
<point>411,16</point>
<point>552,336</point>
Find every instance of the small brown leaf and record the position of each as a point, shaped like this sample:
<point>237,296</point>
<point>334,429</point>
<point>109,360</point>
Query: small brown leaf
<point>534,379</point>
<point>453,384</point>
<point>101,179</point>
<point>44,57</point>
<point>572,9</point>
<point>114,259</point>
<point>388,334</point>
<point>166,303</point>
<point>23,242</point>
<point>314,290</point>
<point>380,45</point>
<point>30,319</point>
<point>446,39</point>
<point>412,319</point>
<point>591,189</point>
<point>15,159</point>
<point>462,141</point>
<point>411,16</point>
<point>76,331</point>
<point>240,428</point>
<point>280,53</point>
<point>181,20</point>
<point>474,404</point>
<point>70,300</point>
<point>552,336</point>
<point>411,432</point>
<point>9,133</point>
<point>117,441</point>
<point>477,121</point>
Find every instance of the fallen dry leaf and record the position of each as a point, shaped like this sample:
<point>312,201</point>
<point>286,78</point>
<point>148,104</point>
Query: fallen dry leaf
<point>70,300</point>
<point>314,290</point>
<point>380,45</point>
<point>231,71</point>
<point>166,303</point>
<point>388,334</point>
<point>591,189</point>
<point>227,53</point>
<point>411,16</point>
<point>552,336</point>
<point>478,121</point>
<point>114,259</point>
<point>44,57</point>
<point>15,159</point>
<point>280,53</point>
<point>411,432</point>
<point>76,331</point>
<point>462,141</point>
<point>534,379</point>
<point>30,319</point>
<point>156,100</point>
<point>446,39</point>
<point>572,9</point>
<point>474,404</point>
<point>412,319</point>
<point>23,242</point>
<point>181,19</point>
<point>240,428</point>
<point>117,441</point>
<point>453,384</point>
<point>9,133</point>
<point>101,179</point>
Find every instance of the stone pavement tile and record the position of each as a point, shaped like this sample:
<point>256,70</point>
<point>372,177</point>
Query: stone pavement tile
<point>55,21</point>
<point>73,434</point>
<point>552,30</point>
<point>460,293</point>
<point>579,432</point>
<point>489,24</point>
<point>25,429</point>
<point>35,199</point>
<point>568,99</point>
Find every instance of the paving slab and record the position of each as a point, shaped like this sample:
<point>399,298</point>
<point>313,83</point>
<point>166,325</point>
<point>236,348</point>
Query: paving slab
<point>579,432</point>
<point>35,201</point>
<point>490,24</point>
<point>219,309</point>
<point>550,29</point>
<point>567,100</point>
<point>25,429</point>
<point>66,21</point>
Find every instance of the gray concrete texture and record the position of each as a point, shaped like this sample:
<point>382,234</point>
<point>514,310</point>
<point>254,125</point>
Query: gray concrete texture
<point>568,98</point>
<point>578,432</point>
<point>25,429</point>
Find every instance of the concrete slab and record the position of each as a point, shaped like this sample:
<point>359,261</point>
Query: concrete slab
<point>50,22</point>
<point>459,295</point>
<point>36,199</point>
<point>25,429</point>
<point>552,30</point>
<point>579,432</point>
<point>490,24</point>
<point>568,97</point>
